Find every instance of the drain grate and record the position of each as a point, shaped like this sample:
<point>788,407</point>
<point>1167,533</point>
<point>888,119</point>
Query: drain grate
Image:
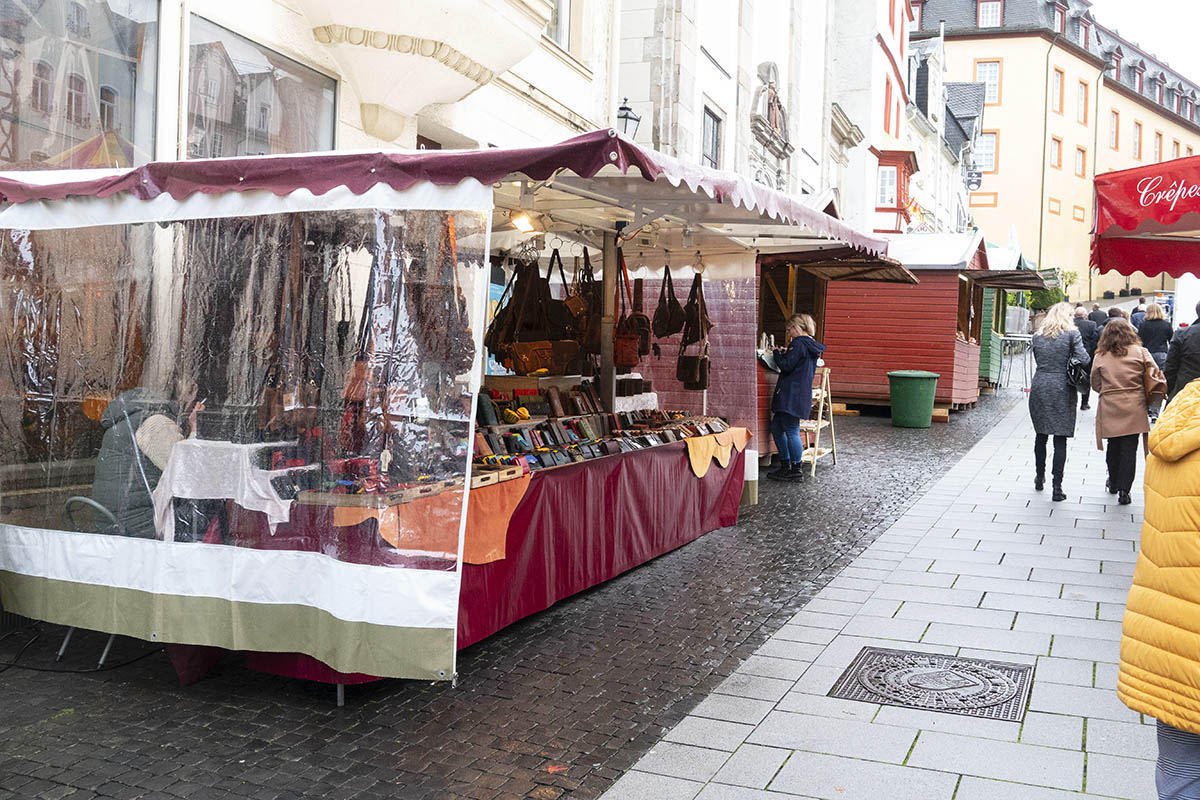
<point>968,686</point>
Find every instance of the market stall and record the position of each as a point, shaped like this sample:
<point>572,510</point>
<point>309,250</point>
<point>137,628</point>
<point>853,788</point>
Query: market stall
<point>242,402</point>
<point>935,326</point>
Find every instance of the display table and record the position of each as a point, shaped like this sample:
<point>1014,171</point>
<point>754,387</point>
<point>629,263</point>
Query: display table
<point>575,527</point>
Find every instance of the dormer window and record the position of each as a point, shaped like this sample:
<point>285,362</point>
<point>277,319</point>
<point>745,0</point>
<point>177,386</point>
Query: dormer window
<point>1139,80</point>
<point>990,13</point>
<point>1085,34</point>
<point>1060,18</point>
<point>917,7</point>
<point>1116,62</point>
<point>1159,86</point>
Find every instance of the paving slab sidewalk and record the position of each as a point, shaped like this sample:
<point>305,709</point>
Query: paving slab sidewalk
<point>982,566</point>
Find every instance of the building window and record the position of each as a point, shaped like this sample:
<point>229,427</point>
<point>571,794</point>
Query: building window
<point>1158,139</point>
<point>1116,64</point>
<point>559,28</point>
<point>1080,162</point>
<point>1054,205</point>
<point>1158,91</point>
<point>1189,151</point>
<point>1056,91</point>
<point>108,108</point>
<point>1137,140</point>
<point>43,87</point>
<point>77,21</point>
<point>228,101</point>
<point>991,13</point>
<point>1081,111</point>
<point>76,99</point>
<point>1085,35</point>
<point>988,73</point>
<point>1078,214</point>
<point>915,25</point>
<point>887,194</point>
<point>1060,18</point>
<point>710,145</point>
<point>1175,149</point>
<point>1114,131</point>
<point>1139,80</point>
<point>1056,152</point>
<point>985,153</point>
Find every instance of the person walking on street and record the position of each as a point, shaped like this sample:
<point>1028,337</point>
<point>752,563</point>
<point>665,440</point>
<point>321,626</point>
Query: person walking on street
<point>1128,382</point>
<point>1090,332</point>
<point>793,395</point>
<point>1138,315</point>
<point>1160,665</point>
<point>1155,334</point>
<point>1183,358</point>
<point>1051,396</point>
<point>1098,316</point>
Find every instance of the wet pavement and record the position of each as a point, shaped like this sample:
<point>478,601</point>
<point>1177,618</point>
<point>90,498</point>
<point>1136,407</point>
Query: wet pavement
<point>559,705</point>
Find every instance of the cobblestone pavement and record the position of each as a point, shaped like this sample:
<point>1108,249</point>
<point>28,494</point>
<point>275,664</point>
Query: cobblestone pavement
<point>983,567</point>
<point>559,705</point>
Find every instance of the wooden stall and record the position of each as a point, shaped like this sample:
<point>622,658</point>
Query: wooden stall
<point>872,329</point>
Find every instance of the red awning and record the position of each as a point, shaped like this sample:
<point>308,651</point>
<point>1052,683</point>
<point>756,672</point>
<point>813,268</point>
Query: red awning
<point>604,155</point>
<point>1148,219</point>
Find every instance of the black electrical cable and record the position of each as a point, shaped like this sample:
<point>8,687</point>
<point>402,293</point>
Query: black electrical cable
<point>7,665</point>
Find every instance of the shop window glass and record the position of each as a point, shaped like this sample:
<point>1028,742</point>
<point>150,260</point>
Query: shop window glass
<point>988,73</point>
<point>232,80</point>
<point>887,196</point>
<point>80,96</point>
<point>77,99</point>
<point>710,146</point>
<point>991,13</point>
<point>108,108</point>
<point>43,87</point>
<point>985,153</point>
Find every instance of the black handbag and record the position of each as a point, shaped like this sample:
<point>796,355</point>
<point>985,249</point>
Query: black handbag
<point>668,316</point>
<point>1078,374</point>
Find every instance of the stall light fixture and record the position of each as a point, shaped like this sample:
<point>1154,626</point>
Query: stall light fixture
<point>627,119</point>
<point>528,222</point>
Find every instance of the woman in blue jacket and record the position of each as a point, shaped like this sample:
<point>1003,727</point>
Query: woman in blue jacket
<point>793,394</point>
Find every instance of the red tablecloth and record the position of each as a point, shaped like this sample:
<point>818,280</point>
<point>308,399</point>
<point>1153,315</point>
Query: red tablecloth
<point>577,526</point>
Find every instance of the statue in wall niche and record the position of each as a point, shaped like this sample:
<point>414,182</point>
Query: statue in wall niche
<point>768,116</point>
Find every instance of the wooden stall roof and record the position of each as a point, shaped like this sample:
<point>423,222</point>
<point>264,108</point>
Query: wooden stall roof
<point>1006,278</point>
<point>844,264</point>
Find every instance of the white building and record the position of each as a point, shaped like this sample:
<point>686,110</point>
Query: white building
<point>942,124</point>
<point>99,82</point>
<point>741,85</point>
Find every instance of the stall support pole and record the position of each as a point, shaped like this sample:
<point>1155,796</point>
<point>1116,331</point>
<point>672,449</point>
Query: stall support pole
<point>607,377</point>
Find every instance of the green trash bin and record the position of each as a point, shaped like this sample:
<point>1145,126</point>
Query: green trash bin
<point>912,393</point>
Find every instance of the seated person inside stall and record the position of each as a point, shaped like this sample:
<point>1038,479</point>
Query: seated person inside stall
<point>139,432</point>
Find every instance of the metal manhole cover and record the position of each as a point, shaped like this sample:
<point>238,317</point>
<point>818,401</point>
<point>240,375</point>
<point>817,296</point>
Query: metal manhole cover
<point>968,686</point>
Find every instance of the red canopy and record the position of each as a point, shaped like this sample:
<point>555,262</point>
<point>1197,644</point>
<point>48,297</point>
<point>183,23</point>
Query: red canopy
<point>603,155</point>
<point>1148,219</point>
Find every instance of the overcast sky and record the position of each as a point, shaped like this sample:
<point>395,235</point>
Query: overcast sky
<point>1167,28</point>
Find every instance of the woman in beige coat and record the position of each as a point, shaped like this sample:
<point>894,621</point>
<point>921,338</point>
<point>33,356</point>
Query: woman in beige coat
<point>1127,380</point>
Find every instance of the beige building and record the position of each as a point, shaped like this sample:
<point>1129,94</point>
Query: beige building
<point>1066,98</point>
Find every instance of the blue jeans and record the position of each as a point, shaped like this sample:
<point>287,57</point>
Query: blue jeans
<point>786,430</point>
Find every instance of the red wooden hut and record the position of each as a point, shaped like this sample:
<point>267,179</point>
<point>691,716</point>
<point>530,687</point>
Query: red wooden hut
<point>872,329</point>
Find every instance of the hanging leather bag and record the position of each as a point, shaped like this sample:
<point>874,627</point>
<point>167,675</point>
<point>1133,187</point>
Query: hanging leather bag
<point>592,292</point>
<point>626,339</point>
<point>693,369</point>
<point>668,316</point>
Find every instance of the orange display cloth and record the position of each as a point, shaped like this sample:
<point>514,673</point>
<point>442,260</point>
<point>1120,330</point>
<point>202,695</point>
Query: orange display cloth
<point>703,449</point>
<point>428,526</point>
<point>489,509</point>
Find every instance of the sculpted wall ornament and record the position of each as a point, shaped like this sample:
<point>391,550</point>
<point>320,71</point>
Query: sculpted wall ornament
<point>405,45</point>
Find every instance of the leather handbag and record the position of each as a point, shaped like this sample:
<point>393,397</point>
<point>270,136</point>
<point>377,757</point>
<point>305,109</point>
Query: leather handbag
<point>529,357</point>
<point>560,321</point>
<point>628,332</point>
<point>1078,374</point>
<point>668,316</point>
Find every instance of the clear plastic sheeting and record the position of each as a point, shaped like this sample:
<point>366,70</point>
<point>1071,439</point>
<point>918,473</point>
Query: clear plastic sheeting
<point>311,362</point>
<point>297,382</point>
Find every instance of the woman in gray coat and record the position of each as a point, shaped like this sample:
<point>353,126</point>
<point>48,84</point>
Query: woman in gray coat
<point>1052,398</point>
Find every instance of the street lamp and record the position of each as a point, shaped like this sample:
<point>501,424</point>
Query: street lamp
<point>627,119</point>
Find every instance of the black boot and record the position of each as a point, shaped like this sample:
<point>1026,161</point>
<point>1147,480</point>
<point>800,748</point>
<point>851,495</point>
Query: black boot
<point>1108,486</point>
<point>780,474</point>
<point>1039,481</point>
<point>1124,499</point>
<point>796,475</point>
<point>1059,494</point>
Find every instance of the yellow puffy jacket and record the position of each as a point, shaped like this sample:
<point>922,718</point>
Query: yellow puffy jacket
<point>1160,645</point>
